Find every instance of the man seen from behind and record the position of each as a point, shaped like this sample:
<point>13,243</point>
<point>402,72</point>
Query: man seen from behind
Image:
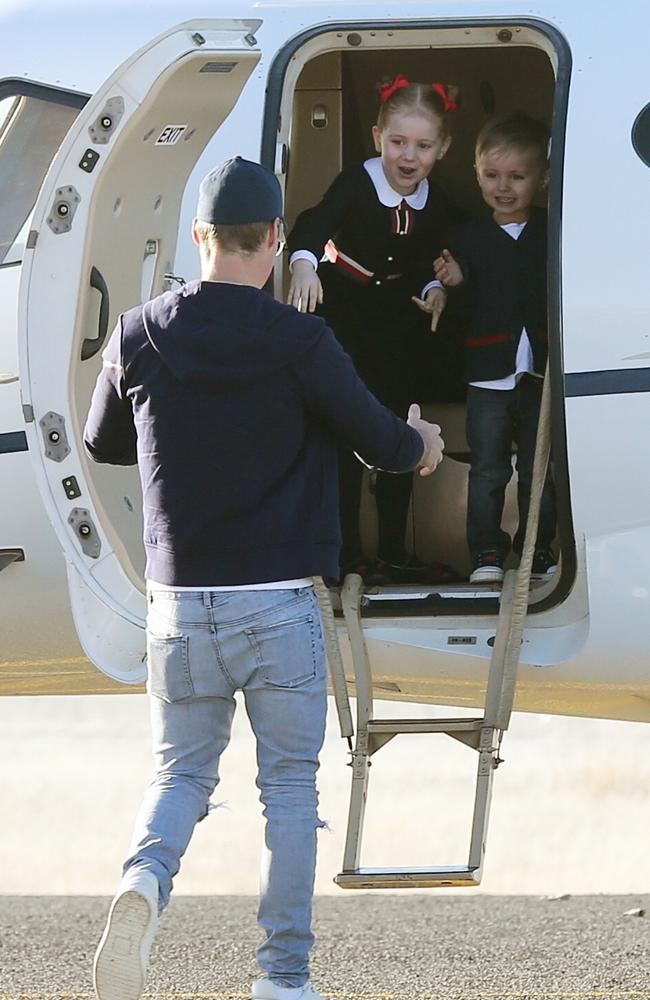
<point>233,405</point>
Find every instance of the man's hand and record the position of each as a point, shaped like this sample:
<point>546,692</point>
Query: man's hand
<point>447,269</point>
<point>305,290</point>
<point>433,303</point>
<point>433,443</point>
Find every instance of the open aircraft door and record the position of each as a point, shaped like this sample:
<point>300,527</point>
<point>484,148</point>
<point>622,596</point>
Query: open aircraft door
<point>103,238</point>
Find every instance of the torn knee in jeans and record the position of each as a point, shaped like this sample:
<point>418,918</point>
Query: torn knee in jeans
<point>210,807</point>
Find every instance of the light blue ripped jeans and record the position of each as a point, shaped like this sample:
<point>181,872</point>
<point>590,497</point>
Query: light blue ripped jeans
<point>202,647</point>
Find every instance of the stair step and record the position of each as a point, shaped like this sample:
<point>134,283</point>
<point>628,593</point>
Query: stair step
<point>409,878</point>
<point>411,592</point>
<point>466,725</point>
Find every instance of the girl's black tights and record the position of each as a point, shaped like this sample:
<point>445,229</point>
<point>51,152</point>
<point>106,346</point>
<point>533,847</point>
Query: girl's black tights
<point>393,496</point>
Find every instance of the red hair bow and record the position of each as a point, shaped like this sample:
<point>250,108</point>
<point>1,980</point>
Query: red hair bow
<point>388,89</point>
<point>447,103</point>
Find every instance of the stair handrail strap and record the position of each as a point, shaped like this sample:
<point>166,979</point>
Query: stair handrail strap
<point>351,593</point>
<point>334,660</point>
<point>515,600</point>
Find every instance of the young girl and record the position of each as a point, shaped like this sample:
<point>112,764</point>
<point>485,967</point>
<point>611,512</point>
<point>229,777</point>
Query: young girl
<point>378,225</point>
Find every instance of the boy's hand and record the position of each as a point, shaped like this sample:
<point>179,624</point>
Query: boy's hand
<point>433,302</point>
<point>447,269</point>
<point>305,289</point>
<point>433,443</point>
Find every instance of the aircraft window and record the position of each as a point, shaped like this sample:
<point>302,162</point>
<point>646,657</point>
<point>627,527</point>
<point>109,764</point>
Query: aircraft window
<point>31,130</point>
<point>641,135</point>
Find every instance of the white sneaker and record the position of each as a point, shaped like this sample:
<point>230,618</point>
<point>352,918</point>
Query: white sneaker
<point>488,568</point>
<point>487,574</point>
<point>264,989</point>
<point>122,957</point>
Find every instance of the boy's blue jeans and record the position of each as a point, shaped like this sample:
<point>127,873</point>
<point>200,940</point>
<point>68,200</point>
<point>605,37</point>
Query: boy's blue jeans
<point>496,418</point>
<point>202,647</point>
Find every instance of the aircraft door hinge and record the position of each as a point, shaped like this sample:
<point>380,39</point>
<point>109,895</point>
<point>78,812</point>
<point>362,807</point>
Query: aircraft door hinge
<point>82,524</point>
<point>56,441</point>
<point>66,200</point>
<point>104,126</point>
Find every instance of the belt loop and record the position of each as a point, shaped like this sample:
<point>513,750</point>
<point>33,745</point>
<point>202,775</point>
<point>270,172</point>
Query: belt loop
<point>207,599</point>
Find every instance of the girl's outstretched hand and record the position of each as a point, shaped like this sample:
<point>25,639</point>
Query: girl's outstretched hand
<point>305,289</point>
<point>447,269</point>
<point>433,302</point>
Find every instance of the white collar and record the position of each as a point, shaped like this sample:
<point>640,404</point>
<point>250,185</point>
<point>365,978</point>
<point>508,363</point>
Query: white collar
<point>514,229</point>
<point>387,195</point>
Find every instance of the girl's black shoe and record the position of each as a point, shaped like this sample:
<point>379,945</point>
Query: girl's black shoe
<point>413,570</point>
<point>370,570</point>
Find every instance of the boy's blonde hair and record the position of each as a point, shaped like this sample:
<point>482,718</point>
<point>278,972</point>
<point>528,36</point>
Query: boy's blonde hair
<point>514,131</point>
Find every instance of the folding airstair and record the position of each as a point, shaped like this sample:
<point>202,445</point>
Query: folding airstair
<point>482,733</point>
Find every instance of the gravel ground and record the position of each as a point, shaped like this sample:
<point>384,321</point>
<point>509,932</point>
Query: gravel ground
<point>371,947</point>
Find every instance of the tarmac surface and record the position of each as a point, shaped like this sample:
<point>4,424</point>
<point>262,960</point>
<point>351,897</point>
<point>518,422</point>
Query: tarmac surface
<point>369,947</point>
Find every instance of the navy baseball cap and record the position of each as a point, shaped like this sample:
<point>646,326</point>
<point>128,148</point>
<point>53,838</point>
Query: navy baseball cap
<point>239,191</point>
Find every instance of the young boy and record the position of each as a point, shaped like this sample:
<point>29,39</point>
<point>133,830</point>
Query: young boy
<point>501,260</point>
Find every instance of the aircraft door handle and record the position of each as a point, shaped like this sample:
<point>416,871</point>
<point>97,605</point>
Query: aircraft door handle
<point>91,345</point>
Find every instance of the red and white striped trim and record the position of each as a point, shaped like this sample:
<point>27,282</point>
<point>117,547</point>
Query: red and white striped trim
<point>346,263</point>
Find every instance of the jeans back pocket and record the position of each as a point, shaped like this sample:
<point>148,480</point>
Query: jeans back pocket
<point>168,665</point>
<point>285,651</point>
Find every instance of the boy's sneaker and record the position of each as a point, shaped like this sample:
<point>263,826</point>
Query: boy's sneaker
<point>264,989</point>
<point>123,954</point>
<point>488,568</point>
<point>544,563</point>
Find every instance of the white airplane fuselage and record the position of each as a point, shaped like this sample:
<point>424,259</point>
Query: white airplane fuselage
<point>275,74</point>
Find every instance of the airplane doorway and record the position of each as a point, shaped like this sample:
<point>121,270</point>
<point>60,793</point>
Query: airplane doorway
<point>328,103</point>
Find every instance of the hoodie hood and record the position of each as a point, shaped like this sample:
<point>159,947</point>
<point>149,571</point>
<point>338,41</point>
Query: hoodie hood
<point>224,335</point>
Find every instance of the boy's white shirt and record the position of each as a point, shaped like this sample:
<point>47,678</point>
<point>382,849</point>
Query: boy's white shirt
<point>389,197</point>
<point>524,358</point>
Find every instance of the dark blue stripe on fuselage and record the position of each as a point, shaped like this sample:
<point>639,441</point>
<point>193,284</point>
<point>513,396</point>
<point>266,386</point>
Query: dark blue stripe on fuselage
<point>13,441</point>
<point>575,384</point>
<point>608,382</point>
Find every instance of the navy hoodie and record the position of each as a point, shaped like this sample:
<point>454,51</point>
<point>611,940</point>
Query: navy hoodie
<point>233,406</point>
